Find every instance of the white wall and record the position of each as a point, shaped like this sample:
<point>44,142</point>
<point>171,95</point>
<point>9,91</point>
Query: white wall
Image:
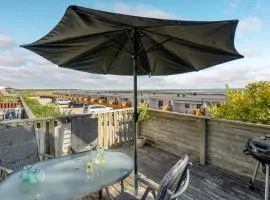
<point>180,107</point>
<point>153,103</point>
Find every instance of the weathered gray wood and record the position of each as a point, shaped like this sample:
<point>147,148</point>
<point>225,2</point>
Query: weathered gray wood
<point>207,182</point>
<point>105,130</point>
<point>58,141</point>
<point>66,132</point>
<point>220,142</point>
<point>203,151</point>
<point>226,142</point>
<point>175,133</point>
<point>51,136</point>
<point>100,130</point>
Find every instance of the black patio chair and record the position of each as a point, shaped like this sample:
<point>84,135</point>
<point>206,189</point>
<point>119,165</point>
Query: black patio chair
<point>18,148</point>
<point>173,185</point>
<point>84,134</point>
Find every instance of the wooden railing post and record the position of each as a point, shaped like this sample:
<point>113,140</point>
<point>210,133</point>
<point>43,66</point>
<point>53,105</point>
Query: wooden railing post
<point>58,140</point>
<point>101,129</point>
<point>51,136</point>
<point>203,145</point>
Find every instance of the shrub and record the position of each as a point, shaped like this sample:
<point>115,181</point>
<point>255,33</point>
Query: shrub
<point>143,112</point>
<point>39,110</point>
<point>251,104</point>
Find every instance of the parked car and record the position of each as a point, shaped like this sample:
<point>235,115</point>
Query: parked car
<point>62,101</point>
<point>93,109</point>
<point>75,104</point>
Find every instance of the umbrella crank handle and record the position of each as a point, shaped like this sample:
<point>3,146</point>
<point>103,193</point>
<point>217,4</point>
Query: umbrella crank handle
<point>135,116</point>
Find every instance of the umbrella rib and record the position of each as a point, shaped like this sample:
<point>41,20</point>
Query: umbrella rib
<point>117,53</point>
<point>156,46</point>
<point>169,52</point>
<point>146,59</point>
<point>97,47</point>
<point>105,19</point>
<point>129,35</point>
<point>76,37</point>
<point>82,54</point>
<point>198,46</point>
<point>121,48</point>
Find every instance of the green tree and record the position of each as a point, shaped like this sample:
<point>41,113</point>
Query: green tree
<point>250,104</point>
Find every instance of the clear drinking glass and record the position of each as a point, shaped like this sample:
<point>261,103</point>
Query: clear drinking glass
<point>100,156</point>
<point>25,174</point>
<point>37,176</point>
<point>90,167</point>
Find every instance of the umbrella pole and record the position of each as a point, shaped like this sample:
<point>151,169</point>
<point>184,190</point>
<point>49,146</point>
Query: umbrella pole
<point>135,115</point>
<point>135,127</point>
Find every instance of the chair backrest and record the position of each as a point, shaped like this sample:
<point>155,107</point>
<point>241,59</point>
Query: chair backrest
<point>18,147</point>
<point>175,182</point>
<point>84,133</point>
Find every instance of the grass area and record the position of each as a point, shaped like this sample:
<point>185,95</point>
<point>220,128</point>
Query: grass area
<point>36,93</point>
<point>9,98</point>
<point>39,110</point>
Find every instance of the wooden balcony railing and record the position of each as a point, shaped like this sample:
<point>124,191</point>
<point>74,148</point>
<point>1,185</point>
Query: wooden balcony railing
<point>212,141</point>
<point>218,142</point>
<point>53,133</point>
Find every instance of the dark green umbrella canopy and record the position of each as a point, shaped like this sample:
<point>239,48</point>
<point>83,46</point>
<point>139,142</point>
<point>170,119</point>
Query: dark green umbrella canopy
<point>101,42</point>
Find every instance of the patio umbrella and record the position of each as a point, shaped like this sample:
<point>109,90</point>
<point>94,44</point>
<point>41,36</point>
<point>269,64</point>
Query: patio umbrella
<point>109,43</point>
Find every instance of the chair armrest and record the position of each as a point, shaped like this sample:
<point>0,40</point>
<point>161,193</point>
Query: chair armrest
<point>182,190</point>
<point>149,183</point>
<point>151,186</point>
<point>6,170</point>
<point>46,155</point>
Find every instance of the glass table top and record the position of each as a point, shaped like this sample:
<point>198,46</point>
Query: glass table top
<point>68,178</point>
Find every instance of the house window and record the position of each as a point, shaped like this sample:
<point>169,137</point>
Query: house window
<point>187,105</point>
<point>160,103</point>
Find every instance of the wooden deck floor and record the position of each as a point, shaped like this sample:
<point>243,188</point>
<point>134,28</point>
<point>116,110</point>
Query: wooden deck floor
<point>207,182</point>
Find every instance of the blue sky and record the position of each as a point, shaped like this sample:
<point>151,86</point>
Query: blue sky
<point>26,21</point>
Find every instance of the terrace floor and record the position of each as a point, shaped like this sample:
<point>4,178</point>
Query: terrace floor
<point>207,182</point>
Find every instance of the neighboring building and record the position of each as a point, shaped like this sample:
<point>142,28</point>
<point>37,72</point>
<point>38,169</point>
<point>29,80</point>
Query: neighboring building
<point>189,102</point>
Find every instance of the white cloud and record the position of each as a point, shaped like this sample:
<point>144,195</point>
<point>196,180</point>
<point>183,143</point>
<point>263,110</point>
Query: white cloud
<point>233,3</point>
<point>6,41</point>
<point>250,24</point>
<point>136,9</point>
<point>263,6</point>
<point>12,58</point>
<point>142,10</point>
<point>236,73</point>
<point>22,69</point>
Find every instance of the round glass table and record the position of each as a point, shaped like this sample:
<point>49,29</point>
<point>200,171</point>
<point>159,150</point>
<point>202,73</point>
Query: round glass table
<point>67,177</point>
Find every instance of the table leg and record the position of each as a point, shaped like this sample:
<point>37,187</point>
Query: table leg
<point>266,181</point>
<point>108,193</point>
<point>100,195</point>
<point>122,186</point>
